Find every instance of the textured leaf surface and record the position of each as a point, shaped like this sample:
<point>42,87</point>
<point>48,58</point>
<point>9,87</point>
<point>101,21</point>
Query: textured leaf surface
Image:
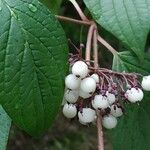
<point>33,58</point>
<point>53,5</point>
<point>127,61</point>
<point>5,123</point>
<point>132,132</point>
<point>128,20</point>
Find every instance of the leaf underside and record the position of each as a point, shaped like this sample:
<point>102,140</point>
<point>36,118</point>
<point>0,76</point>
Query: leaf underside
<point>128,20</point>
<point>33,58</point>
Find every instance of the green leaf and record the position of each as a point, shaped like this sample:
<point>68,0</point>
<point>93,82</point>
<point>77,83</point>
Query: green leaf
<point>5,124</point>
<point>53,5</point>
<point>132,132</point>
<point>33,64</point>
<point>128,20</point>
<point>127,61</point>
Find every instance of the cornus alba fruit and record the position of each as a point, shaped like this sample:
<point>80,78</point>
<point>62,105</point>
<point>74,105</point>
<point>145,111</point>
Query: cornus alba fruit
<point>87,115</point>
<point>100,101</point>
<point>116,111</point>
<point>84,95</point>
<point>69,110</point>
<point>88,85</point>
<point>90,90</point>
<point>95,77</point>
<point>134,95</point>
<point>72,82</point>
<point>146,83</point>
<point>111,97</point>
<point>109,122</point>
<point>71,96</point>
<point>80,69</point>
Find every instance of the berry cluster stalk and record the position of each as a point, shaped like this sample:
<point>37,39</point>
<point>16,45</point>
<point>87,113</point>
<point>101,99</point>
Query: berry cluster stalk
<point>100,135</point>
<point>92,35</point>
<point>98,113</point>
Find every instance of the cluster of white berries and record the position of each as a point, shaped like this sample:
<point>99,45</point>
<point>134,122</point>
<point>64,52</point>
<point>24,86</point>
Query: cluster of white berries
<point>88,91</point>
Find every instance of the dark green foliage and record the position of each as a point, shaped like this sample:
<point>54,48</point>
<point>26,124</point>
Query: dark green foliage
<point>128,20</point>
<point>33,64</point>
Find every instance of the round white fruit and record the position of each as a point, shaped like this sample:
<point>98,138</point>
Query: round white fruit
<point>95,77</point>
<point>87,115</point>
<point>71,96</point>
<point>83,123</point>
<point>84,95</point>
<point>80,69</point>
<point>100,101</point>
<point>111,97</point>
<point>72,82</point>
<point>69,110</point>
<point>116,111</point>
<point>109,122</point>
<point>146,83</point>
<point>134,95</point>
<point>88,85</point>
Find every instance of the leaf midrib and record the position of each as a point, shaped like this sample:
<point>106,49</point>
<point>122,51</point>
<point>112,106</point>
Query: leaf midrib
<point>11,10</point>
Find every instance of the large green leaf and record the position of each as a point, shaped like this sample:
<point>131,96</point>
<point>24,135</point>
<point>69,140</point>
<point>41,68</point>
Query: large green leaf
<point>33,63</point>
<point>132,132</point>
<point>128,20</point>
<point>53,5</point>
<point>5,123</point>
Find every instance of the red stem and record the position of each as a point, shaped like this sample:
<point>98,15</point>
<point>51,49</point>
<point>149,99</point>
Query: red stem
<point>88,23</point>
<point>100,135</point>
<point>95,48</point>
<point>107,45</point>
<point>88,44</point>
<point>100,138</point>
<point>80,12</point>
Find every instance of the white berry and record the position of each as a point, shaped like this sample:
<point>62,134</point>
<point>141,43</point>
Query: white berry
<point>100,101</point>
<point>109,122</point>
<point>69,110</point>
<point>116,111</point>
<point>146,83</point>
<point>95,77</point>
<point>71,96</point>
<point>84,95</point>
<point>83,123</point>
<point>88,85</point>
<point>134,95</point>
<point>111,97</point>
<point>72,82</point>
<point>80,69</point>
<point>87,115</point>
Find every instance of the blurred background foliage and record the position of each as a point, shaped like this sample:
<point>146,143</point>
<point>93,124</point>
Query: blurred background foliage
<point>68,135</point>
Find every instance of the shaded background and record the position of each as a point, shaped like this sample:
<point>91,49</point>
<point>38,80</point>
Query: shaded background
<point>64,135</point>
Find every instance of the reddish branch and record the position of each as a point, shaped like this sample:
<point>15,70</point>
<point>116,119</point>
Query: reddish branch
<point>100,135</point>
<point>80,12</point>
<point>88,23</point>
<point>89,41</point>
<point>107,45</point>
